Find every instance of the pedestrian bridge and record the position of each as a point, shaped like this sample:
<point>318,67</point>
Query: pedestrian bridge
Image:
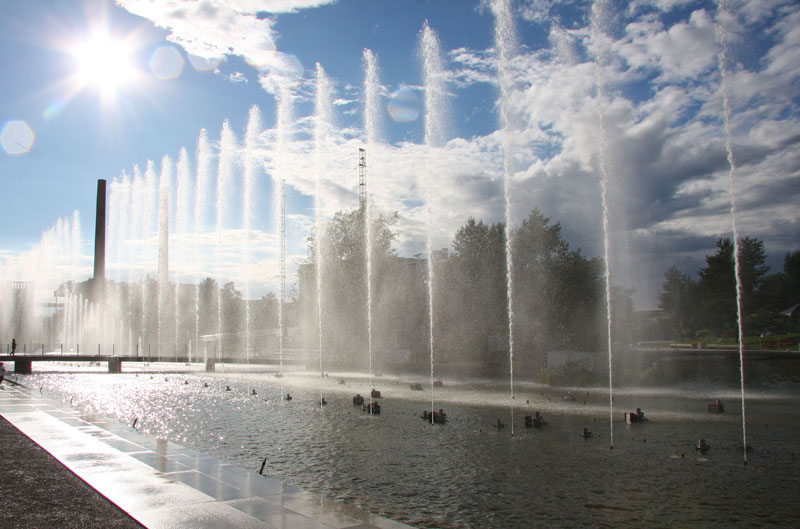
<point>23,362</point>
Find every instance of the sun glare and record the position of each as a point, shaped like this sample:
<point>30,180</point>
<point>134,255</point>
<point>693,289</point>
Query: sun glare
<point>104,63</point>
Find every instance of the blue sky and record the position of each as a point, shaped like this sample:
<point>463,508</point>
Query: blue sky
<point>654,64</point>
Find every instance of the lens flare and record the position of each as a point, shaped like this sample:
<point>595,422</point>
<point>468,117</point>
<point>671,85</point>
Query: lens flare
<point>404,105</point>
<point>166,63</point>
<point>203,64</point>
<point>55,108</point>
<point>16,137</point>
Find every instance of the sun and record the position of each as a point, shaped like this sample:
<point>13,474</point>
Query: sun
<point>104,63</point>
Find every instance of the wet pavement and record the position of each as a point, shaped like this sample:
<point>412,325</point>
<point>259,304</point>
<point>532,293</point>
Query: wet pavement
<point>163,485</point>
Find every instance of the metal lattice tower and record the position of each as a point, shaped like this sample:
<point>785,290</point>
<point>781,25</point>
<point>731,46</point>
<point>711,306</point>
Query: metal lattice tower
<point>362,178</point>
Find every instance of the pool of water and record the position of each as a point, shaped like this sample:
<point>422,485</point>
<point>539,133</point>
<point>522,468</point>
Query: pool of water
<point>468,473</point>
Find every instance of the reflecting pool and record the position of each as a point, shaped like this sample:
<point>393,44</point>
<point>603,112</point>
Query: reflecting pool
<point>468,472</point>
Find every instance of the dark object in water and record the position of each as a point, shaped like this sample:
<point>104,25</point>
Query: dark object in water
<point>585,433</point>
<point>373,407</point>
<point>358,400</point>
<point>375,394</point>
<point>634,416</point>
<point>499,424</point>
<point>435,417</point>
<point>263,463</point>
<point>228,388</point>
<point>535,421</point>
<point>717,407</point>
<point>254,392</point>
<point>702,445</point>
<point>288,396</point>
<point>416,386</point>
<point>323,402</point>
<point>438,383</point>
<point>341,381</point>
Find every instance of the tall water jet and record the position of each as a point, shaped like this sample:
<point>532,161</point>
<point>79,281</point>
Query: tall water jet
<point>134,227</point>
<point>182,216</point>
<point>506,44</point>
<point>371,127</point>
<point>203,154</point>
<point>372,103</point>
<point>323,123</point>
<point>434,82</point>
<point>227,151</point>
<point>722,13</point>
<point>251,161</point>
<point>163,243</point>
<point>117,197</point>
<point>283,126</point>
<point>600,11</point>
<point>149,206</point>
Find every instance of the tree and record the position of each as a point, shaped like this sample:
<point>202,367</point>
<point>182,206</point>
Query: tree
<point>679,298</point>
<point>208,306</point>
<point>264,312</point>
<point>343,257</point>
<point>778,292</point>
<point>558,292</point>
<point>471,292</point>
<point>718,282</point>
<point>232,308</point>
<point>791,268</point>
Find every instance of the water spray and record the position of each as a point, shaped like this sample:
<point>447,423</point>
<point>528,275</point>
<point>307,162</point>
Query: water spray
<point>722,57</point>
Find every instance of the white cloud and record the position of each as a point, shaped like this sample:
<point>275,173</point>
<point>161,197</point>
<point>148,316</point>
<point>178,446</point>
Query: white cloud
<point>214,30</point>
<point>668,172</point>
<point>237,77</point>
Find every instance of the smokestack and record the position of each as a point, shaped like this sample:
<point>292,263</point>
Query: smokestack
<point>100,234</point>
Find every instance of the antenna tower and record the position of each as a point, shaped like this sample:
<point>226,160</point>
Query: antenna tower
<point>362,178</point>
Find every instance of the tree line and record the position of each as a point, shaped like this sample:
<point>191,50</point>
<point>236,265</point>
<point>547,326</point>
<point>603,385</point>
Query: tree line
<point>558,299</point>
<point>707,306</point>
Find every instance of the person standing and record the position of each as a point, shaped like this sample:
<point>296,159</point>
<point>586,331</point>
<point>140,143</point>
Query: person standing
<point>2,372</point>
<point>13,346</point>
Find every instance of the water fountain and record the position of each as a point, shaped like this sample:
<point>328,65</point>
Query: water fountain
<point>505,40</point>
<point>433,74</point>
<point>146,241</point>
<point>599,22</point>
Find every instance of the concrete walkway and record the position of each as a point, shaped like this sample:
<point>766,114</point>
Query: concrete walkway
<point>163,485</point>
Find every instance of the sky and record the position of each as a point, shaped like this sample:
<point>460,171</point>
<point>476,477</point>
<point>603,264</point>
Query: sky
<point>638,126</point>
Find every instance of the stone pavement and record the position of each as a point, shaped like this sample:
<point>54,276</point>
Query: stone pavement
<point>163,485</point>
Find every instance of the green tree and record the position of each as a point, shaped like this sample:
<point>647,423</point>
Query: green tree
<point>232,309</point>
<point>718,282</point>
<point>558,292</point>
<point>343,245</point>
<point>208,306</point>
<point>471,293</point>
<point>777,292</point>
<point>679,298</point>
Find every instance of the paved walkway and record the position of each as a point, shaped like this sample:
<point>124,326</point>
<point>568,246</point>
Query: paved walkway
<point>163,485</point>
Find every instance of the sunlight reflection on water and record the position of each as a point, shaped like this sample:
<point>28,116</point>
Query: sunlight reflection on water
<point>468,473</point>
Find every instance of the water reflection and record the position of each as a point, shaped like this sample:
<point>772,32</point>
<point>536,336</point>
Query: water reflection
<point>468,473</point>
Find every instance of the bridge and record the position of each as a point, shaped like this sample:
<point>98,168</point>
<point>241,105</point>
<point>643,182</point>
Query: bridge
<point>712,350</point>
<point>23,362</point>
